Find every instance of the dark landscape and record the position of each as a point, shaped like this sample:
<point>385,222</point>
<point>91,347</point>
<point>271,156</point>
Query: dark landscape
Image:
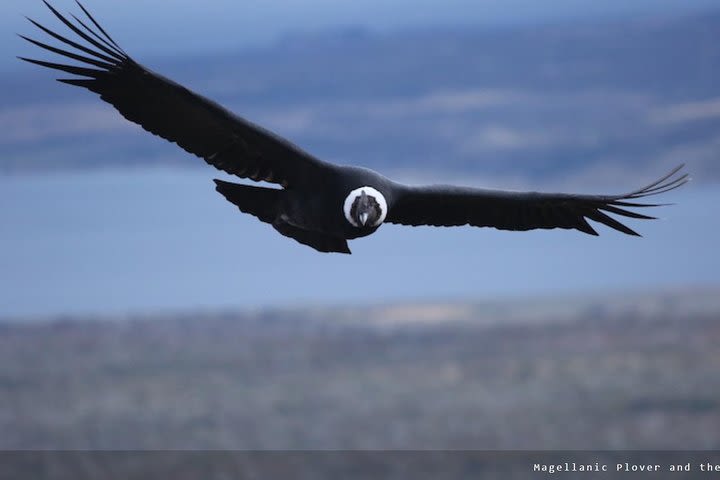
<point>604,372</point>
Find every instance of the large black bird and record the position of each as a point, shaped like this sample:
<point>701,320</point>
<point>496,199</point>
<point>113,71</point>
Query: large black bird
<point>320,204</point>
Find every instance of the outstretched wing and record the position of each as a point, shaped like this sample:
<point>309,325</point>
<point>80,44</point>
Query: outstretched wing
<point>506,210</point>
<point>171,111</point>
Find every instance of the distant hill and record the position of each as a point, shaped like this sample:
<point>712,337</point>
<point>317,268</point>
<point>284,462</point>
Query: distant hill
<point>555,103</point>
<point>607,373</point>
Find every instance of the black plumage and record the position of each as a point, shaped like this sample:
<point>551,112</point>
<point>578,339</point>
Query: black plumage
<point>318,203</point>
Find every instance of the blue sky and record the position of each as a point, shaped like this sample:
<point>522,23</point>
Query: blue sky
<point>147,27</point>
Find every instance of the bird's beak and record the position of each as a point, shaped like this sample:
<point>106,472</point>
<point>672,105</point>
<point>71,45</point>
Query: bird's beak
<point>364,218</point>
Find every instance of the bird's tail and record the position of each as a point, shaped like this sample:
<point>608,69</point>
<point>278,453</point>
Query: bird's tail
<point>258,201</point>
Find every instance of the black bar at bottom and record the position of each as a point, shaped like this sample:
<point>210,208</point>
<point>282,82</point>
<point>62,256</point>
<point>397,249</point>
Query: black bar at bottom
<point>230,465</point>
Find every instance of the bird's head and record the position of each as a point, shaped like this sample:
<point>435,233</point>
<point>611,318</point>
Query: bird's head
<point>365,207</point>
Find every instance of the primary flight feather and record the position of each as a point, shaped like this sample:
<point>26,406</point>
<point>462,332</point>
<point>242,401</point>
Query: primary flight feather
<point>317,203</point>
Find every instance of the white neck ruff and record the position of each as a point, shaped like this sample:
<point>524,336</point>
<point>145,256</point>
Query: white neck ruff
<point>370,192</point>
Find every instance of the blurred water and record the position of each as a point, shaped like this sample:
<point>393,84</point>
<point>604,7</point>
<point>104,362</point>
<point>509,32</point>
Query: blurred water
<point>113,242</point>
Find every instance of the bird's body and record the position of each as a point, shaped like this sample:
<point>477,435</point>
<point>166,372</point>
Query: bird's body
<point>306,213</point>
<point>317,203</point>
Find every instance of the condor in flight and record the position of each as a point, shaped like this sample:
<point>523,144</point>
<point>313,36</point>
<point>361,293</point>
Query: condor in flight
<point>319,204</point>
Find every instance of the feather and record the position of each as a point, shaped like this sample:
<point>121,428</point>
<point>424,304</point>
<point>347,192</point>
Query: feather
<point>89,84</point>
<point>598,216</point>
<point>84,72</point>
<point>74,56</point>
<point>102,30</point>
<point>95,34</point>
<point>82,48</point>
<point>625,213</point>
<point>656,182</point>
<point>79,32</point>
